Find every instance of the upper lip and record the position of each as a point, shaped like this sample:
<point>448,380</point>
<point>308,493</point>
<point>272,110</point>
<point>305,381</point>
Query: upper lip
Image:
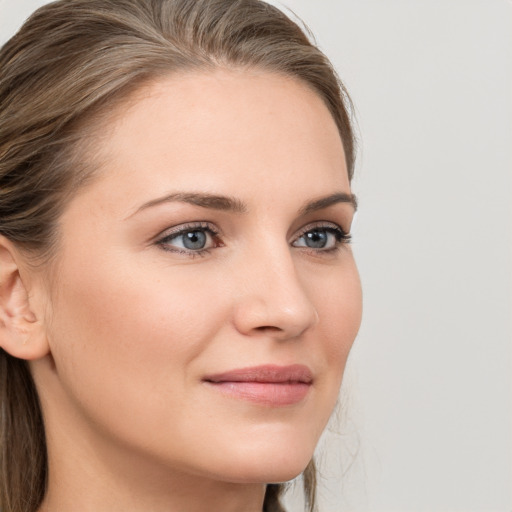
<point>269,373</point>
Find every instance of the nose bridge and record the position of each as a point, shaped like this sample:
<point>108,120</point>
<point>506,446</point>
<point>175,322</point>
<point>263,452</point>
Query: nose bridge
<point>273,299</point>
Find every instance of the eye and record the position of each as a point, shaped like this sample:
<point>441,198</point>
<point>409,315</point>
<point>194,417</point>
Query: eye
<point>322,238</point>
<point>192,239</point>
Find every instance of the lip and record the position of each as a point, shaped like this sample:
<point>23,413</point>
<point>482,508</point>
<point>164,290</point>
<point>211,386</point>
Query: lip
<point>269,385</point>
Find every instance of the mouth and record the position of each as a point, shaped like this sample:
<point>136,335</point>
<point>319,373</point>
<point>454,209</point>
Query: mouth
<point>269,385</point>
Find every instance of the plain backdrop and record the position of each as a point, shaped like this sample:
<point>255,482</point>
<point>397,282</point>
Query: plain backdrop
<point>425,420</point>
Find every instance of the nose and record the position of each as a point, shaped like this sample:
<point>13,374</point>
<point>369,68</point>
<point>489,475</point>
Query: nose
<point>271,300</point>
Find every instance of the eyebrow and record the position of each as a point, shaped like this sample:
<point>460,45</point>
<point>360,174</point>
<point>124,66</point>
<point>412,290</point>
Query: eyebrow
<point>325,202</point>
<point>211,201</point>
<point>232,204</point>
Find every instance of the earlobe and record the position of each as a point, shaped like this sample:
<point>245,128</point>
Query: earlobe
<point>21,331</point>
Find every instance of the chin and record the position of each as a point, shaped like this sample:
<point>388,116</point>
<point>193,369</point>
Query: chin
<point>268,461</point>
<point>270,472</point>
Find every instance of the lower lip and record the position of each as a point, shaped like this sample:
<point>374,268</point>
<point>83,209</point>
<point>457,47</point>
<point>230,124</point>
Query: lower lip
<point>271,394</point>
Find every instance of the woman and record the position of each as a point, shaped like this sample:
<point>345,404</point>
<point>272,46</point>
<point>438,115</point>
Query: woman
<point>178,298</point>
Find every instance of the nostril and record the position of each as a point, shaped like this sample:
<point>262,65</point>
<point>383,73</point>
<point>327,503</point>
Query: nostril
<point>268,328</point>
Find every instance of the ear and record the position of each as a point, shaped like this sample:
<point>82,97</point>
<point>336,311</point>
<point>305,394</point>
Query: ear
<point>22,333</point>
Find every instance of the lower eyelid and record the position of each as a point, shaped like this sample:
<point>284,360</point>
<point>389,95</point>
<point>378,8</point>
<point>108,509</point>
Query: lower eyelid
<point>340,239</point>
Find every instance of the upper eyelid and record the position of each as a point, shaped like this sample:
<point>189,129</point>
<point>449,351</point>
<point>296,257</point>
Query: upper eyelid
<point>188,226</point>
<point>320,224</point>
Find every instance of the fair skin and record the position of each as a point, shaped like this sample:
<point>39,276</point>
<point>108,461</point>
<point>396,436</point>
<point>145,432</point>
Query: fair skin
<point>140,316</point>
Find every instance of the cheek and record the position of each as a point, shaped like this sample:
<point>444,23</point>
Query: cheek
<point>120,330</point>
<point>338,301</point>
<point>132,305</point>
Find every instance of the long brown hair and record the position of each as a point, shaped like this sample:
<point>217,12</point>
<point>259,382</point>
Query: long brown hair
<point>71,61</point>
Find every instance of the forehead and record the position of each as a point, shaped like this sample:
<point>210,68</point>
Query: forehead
<point>222,129</point>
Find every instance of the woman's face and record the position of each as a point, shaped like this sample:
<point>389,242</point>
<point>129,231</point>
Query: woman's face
<point>206,299</point>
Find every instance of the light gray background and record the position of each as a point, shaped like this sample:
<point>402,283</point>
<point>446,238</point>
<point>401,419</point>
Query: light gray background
<point>426,417</point>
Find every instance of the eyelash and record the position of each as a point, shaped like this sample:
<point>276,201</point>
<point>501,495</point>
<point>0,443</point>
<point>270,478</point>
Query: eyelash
<point>205,227</point>
<point>342,238</point>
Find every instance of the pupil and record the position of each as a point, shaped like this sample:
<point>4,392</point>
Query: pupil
<point>316,239</point>
<point>194,240</point>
